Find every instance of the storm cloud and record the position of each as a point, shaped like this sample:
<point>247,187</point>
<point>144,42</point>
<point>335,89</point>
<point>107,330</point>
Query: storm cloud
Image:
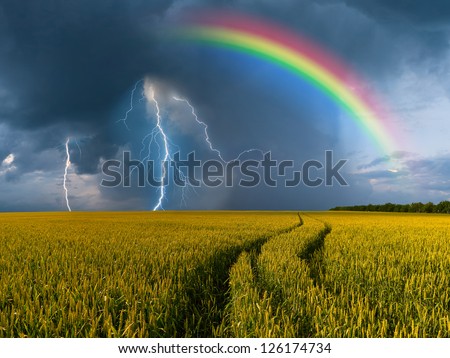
<point>67,69</point>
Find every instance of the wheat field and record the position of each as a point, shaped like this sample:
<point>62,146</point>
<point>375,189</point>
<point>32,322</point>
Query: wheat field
<point>224,274</point>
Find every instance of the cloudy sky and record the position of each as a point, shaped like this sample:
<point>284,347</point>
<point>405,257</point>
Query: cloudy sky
<point>68,69</point>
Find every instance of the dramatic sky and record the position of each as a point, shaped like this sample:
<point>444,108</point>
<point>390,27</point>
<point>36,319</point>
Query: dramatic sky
<point>67,70</point>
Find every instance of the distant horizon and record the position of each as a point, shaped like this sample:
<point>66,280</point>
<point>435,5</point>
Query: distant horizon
<point>231,210</point>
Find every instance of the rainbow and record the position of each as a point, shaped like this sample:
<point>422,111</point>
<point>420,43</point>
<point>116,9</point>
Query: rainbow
<point>298,55</point>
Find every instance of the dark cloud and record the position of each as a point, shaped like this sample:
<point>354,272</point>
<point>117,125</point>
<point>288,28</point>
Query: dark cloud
<point>416,12</point>
<point>68,61</point>
<point>66,69</point>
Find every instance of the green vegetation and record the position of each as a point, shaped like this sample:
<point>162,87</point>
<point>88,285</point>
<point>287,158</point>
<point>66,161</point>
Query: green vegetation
<point>384,275</point>
<point>224,274</point>
<point>269,291</point>
<point>122,274</point>
<point>442,208</point>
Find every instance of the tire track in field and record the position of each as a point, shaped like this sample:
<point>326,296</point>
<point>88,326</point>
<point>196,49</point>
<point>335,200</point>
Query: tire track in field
<point>208,299</point>
<point>254,254</point>
<point>313,254</point>
<point>273,298</point>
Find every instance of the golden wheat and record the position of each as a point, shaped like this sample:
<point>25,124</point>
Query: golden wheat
<point>224,274</point>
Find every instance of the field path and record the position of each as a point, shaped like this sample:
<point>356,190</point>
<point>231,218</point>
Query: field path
<point>314,253</point>
<point>264,281</point>
<point>215,305</point>
<point>129,274</point>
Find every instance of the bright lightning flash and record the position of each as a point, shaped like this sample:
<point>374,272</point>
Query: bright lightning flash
<point>207,139</point>
<point>66,169</point>
<point>125,117</point>
<point>156,136</point>
<point>162,190</point>
<point>163,145</point>
<point>203,124</point>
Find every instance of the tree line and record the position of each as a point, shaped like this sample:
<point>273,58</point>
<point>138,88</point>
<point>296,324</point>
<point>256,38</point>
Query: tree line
<point>442,208</point>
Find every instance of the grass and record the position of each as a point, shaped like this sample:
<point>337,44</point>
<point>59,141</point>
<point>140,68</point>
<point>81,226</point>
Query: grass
<point>224,274</point>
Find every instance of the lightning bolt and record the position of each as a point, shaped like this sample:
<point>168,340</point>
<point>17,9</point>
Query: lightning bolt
<point>164,144</point>
<point>66,169</point>
<point>79,148</point>
<point>207,138</point>
<point>162,190</point>
<point>125,117</point>
<point>203,124</point>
